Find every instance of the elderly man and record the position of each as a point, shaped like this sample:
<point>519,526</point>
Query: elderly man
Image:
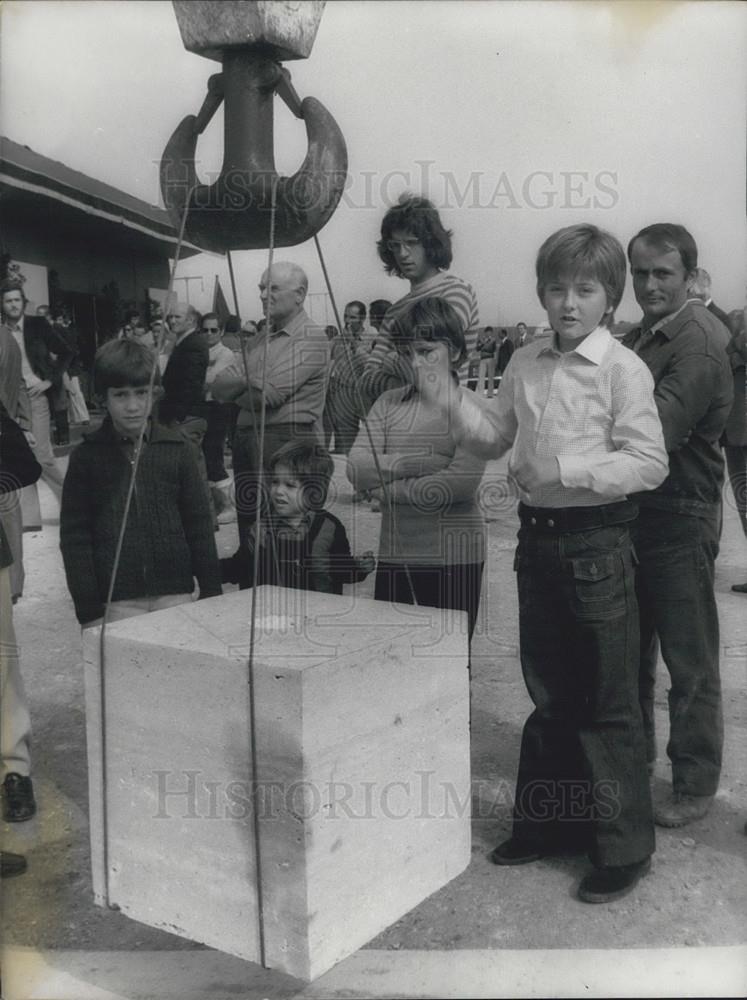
<point>676,535</point>
<point>700,289</point>
<point>287,365</point>
<point>183,402</point>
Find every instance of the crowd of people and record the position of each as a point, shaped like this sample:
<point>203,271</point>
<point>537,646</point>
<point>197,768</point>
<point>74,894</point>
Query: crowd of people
<point>617,452</point>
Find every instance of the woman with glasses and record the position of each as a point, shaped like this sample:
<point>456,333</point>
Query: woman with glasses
<point>414,245</point>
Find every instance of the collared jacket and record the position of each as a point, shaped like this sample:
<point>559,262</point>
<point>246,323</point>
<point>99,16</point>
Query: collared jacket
<point>169,539</point>
<point>693,393</point>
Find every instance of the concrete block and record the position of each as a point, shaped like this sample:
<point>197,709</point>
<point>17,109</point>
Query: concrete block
<point>362,760</point>
<point>284,29</point>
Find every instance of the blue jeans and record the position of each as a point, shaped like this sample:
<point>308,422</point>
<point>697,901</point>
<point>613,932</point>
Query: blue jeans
<point>674,583</point>
<point>582,779</point>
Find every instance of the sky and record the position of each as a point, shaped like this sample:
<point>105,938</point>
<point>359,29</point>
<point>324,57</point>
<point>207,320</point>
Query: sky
<point>515,118</point>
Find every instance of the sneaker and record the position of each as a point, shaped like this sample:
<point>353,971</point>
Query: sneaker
<point>681,809</point>
<point>605,884</point>
<point>19,803</point>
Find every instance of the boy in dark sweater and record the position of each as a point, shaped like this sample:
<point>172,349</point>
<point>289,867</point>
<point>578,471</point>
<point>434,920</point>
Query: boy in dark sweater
<point>301,545</point>
<point>169,539</point>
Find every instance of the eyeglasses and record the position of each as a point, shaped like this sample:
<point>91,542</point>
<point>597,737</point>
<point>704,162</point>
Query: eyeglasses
<point>210,329</point>
<point>397,246</point>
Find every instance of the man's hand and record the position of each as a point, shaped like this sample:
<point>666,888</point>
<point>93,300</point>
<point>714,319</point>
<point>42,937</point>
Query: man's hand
<point>30,439</point>
<point>229,383</point>
<point>535,473</point>
<point>38,388</point>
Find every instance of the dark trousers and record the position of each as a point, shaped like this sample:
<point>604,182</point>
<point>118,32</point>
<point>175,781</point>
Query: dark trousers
<point>675,587</point>
<point>736,465</point>
<point>456,587</point>
<point>248,471</point>
<point>582,778</point>
<point>343,405</point>
<point>217,416</point>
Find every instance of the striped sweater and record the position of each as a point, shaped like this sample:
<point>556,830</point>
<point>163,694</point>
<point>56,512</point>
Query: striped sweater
<point>382,369</point>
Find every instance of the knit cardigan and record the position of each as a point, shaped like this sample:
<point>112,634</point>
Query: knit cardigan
<point>317,557</point>
<point>169,538</point>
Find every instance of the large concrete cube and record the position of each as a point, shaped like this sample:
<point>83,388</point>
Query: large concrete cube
<point>362,760</point>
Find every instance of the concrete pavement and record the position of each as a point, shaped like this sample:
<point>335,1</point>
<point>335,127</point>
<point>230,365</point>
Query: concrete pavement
<point>490,932</point>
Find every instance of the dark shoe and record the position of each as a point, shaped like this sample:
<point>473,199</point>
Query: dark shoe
<point>12,864</point>
<point>605,884</point>
<point>739,588</point>
<point>682,809</point>
<point>514,852</point>
<point>19,803</point>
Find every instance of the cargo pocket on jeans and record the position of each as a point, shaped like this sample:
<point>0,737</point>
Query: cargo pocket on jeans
<point>594,579</point>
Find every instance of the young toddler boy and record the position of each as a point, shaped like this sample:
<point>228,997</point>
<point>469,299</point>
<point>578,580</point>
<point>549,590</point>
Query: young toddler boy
<point>301,545</point>
<point>169,539</point>
<point>578,413</point>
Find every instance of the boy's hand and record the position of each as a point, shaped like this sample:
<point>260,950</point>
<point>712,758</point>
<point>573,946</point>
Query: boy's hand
<point>536,472</point>
<point>367,562</point>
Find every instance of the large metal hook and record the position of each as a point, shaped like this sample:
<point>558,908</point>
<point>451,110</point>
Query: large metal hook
<point>233,213</point>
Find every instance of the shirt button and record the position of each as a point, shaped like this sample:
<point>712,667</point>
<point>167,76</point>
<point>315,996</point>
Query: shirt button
<point>533,520</point>
<point>550,523</point>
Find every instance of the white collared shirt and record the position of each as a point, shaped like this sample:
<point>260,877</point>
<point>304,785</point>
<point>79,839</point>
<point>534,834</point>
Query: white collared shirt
<point>592,408</point>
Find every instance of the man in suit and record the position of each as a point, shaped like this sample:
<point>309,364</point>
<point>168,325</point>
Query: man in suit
<point>700,288</point>
<point>524,338</point>
<point>44,357</point>
<point>184,376</point>
<point>183,402</point>
<point>505,350</point>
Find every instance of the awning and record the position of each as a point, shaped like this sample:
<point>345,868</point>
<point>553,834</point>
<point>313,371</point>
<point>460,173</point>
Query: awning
<point>34,183</point>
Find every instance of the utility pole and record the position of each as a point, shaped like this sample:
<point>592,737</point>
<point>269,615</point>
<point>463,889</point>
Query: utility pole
<point>187,279</point>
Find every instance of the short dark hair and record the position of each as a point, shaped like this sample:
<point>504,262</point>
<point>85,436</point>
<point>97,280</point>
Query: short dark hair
<point>669,236</point>
<point>131,316</point>
<point>435,320</point>
<point>378,309</point>
<point>420,217</point>
<point>121,363</point>
<point>521,323</point>
<point>358,306</point>
<point>210,315</point>
<point>312,465</point>
<point>488,329</point>
<point>583,249</point>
